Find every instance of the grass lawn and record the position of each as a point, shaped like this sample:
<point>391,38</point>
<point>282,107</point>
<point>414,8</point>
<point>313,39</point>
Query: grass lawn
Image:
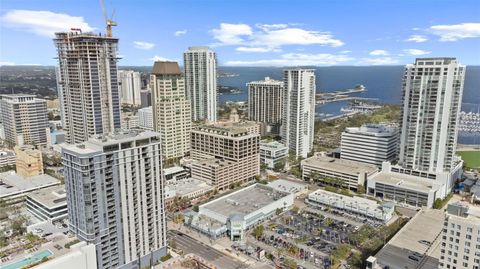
<point>471,158</point>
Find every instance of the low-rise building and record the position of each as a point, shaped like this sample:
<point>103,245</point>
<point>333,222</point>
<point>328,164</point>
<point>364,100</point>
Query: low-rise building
<point>219,173</point>
<point>460,246</point>
<point>296,188</point>
<point>370,143</point>
<point>350,173</point>
<point>416,245</point>
<point>188,188</point>
<point>273,153</point>
<point>129,120</point>
<point>7,157</point>
<point>79,256</point>
<point>49,204</point>
<point>239,211</point>
<point>411,187</point>
<point>14,186</point>
<point>175,173</point>
<point>352,205</point>
<point>29,161</point>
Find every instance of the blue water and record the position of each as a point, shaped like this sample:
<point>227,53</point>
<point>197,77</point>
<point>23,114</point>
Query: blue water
<point>35,258</point>
<point>382,82</point>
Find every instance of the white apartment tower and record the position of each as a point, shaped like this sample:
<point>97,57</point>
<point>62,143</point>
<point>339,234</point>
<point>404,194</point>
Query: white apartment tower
<point>24,119</point>
<point>130,85</point>
<point>200,64</point>
<point>87,84</point>
<point>115,197</point>
<point>171,109</point>
<point>145,118</point>
<point>461,237</point>
<point>370,143</point>
<point>265,102</point>
<point>298,121</point>
<point>432,95</point>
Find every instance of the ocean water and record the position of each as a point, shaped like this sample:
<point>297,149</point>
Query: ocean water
<point>382,82</point>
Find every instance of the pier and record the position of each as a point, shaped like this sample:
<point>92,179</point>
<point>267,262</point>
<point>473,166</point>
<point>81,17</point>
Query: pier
<point>342,95</point>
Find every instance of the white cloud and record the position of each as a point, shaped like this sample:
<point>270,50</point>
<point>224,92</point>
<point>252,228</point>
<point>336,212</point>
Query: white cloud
<point>454,32</point>
<point>180,32</point>
<point>379,61</point>
<point>143,45</point>
<point>297,59</point>
<point>256,49</point>
<point>417,38</point>
<point>270,37</point>
<point>345,51</point>
<point>231,34</point>
<point>157,58</point>
<point>6,63</point>
<point>416,52</point>
<point>379,53</point>
<point>44,23</point>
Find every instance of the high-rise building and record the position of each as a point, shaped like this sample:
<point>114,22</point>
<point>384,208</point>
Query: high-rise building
<point>432,96</point>
<point>87,84</point>
<point>265,103</point>
<point>146,98</point>
<point>115,197</point>
<point>145,118</point>
<point>130,84</point>
<point>171,109</point>
<point>200,64</point>
<point>370,143</point>
<point>224,155</point>
<point>298,121</point>
<point>24,118</point>
<point>460,247</point>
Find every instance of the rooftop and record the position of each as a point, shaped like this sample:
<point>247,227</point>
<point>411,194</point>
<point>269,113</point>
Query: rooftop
<point>244,201</point>
<point>395,253</point>
<point>405,181</point>
<point>12,184</point>
<point>287,186</point>
<point>231,130</point>
<point>166,68</point>
<point>173,170</point>
<point>272,145</point>
<point>186,186</point>
<point>50,197</point>
<point>339,165</point>
<point>465,210</point>
<point>379,130</point>
<point>267,81</point>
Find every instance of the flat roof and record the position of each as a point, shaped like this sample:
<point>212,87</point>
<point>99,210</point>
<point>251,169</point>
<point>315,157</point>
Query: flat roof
<point>272,145</point>
<point>425,225</point>
<point>50,197</point>
<point>287,186</point>
<point>378,130</point>
<point>244,201</point>
<point>340,165</point>
<point>188,185</point>
<point>266,81</point>
<point>173,170</point>
<point>404,181</point>
<point>12,184</point>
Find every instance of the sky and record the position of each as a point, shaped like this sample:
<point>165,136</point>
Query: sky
<point>251,32</point>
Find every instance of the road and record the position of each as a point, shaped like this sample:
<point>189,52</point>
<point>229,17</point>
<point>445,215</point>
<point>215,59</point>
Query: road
<point>190,245</point>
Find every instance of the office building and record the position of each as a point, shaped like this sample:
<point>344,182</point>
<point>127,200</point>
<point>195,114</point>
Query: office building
<point>460,246</point>
<point>115,197</point>
<point>299,111</point>
<point>24,119</point>
<point>224,155</point>
<point>338,172</point>
<point>145,118</point>
<point>171,110</point>
<point>7,158</point>
<point>29,161</point>
<point>49,204</point>
<point>273,154</point>
<point>432,96</point>
<point>200,66</point>
<point>370,143</point>
<point>129,84</point>
<point>87,84</point>
<point>239,211</point>
<point>265,103</point>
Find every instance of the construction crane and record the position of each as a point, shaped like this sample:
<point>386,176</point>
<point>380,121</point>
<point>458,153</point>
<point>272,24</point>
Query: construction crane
<point>108,21</point>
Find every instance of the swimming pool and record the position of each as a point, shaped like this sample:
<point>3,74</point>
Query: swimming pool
<point>29,260</point>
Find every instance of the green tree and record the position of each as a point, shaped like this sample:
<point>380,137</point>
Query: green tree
<point>258,231</point>
<point>290,264</point>
<point>278,211</point>
<point>360,189</point>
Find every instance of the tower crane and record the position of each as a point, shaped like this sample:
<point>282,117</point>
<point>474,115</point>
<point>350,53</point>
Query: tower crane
<point>108,21</point>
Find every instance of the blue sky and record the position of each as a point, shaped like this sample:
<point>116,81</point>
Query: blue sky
<point>252,33</point>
